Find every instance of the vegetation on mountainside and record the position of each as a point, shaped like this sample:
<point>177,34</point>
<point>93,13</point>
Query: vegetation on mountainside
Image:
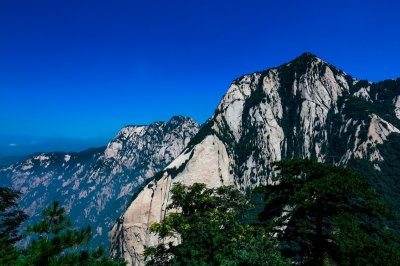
<point>10,219</point>
<point>386,181</point>
<point>211,231</point>
<point>326,214</point>
<point>54,240</point>
<point>316,214</point>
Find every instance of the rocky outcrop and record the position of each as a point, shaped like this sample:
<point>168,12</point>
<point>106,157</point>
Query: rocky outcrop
<point>306,108</point>
<point>96,185</point>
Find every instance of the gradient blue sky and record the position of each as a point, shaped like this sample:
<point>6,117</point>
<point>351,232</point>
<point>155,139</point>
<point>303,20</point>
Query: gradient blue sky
<point>72,73</point>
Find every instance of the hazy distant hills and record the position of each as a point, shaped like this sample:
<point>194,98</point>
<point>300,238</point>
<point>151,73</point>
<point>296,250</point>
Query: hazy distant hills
<point>95,185</point>
<point>7,160</point>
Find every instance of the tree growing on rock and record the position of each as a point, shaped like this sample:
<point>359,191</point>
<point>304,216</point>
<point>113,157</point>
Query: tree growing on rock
<point>208,223</point>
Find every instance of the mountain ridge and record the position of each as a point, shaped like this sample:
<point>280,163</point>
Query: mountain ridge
<point>306,108</point>
<point>95,185</point>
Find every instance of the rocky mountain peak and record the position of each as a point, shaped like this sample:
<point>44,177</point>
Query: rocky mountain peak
<point>181,119</point>
<point>96,185</point>
<point>306,108</point>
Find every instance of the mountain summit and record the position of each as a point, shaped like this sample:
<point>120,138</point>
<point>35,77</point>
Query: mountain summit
<point>306,108</point>
<point>96,185</point>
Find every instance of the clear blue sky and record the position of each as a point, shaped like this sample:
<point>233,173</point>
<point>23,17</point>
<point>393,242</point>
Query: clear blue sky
<point>73,72</point>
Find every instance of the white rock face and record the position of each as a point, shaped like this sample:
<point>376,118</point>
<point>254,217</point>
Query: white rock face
<point>363,93</point>
<point>209,164</point>
<point>112,150</point>
<point>96,185</point>
<point>378,131</point>
<point>320,94</point>
<point>263,118</point>
<point>296,110</point>
<point>67,157</point>
<point>232,104</point>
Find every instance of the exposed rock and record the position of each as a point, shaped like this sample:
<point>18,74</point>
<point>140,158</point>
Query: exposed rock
<point>306,108</point>
<point>96,185</point>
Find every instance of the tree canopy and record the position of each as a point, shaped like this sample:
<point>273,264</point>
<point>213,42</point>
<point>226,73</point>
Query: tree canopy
<point>204,227</point>
<point>326,214</point>
<point>54,240</point>
<point>10,216</point>
<point>10,220</point>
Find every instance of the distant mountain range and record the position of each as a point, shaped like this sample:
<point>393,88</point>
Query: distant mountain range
<point>95,185</point>
<point>306,108</point>
<point>7,160</point>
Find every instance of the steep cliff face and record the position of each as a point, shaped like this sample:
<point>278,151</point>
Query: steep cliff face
<point>306,108</point>
<point>96,185</point>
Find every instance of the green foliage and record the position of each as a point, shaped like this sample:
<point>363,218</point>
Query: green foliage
<point>8,253</point>
<point>208,225</point>
<point>356,246</point>
<point>358,109</point>
<point>10,216</point>
<point>53,236</point>
<point>10,219</point>
<point>382,95</point>
<point>386,181</point>
<point>90,258</point>
<point>329,214</point>
<point>54,242</point>
<point>54,219</point>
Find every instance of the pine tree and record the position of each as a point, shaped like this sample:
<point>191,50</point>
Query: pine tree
<point>55,242</point>
<point>322,213</point>
<point>10,216</point>
<point>208,224</point>
<point>10,220</point>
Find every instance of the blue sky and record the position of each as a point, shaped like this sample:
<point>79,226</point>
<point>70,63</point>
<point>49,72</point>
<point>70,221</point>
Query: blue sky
<point>72,73</point>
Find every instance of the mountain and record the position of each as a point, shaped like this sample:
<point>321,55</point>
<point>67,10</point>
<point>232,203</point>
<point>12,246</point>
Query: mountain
<point>7,160</point>
<point>306,108</point>
<point>96,185</point>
